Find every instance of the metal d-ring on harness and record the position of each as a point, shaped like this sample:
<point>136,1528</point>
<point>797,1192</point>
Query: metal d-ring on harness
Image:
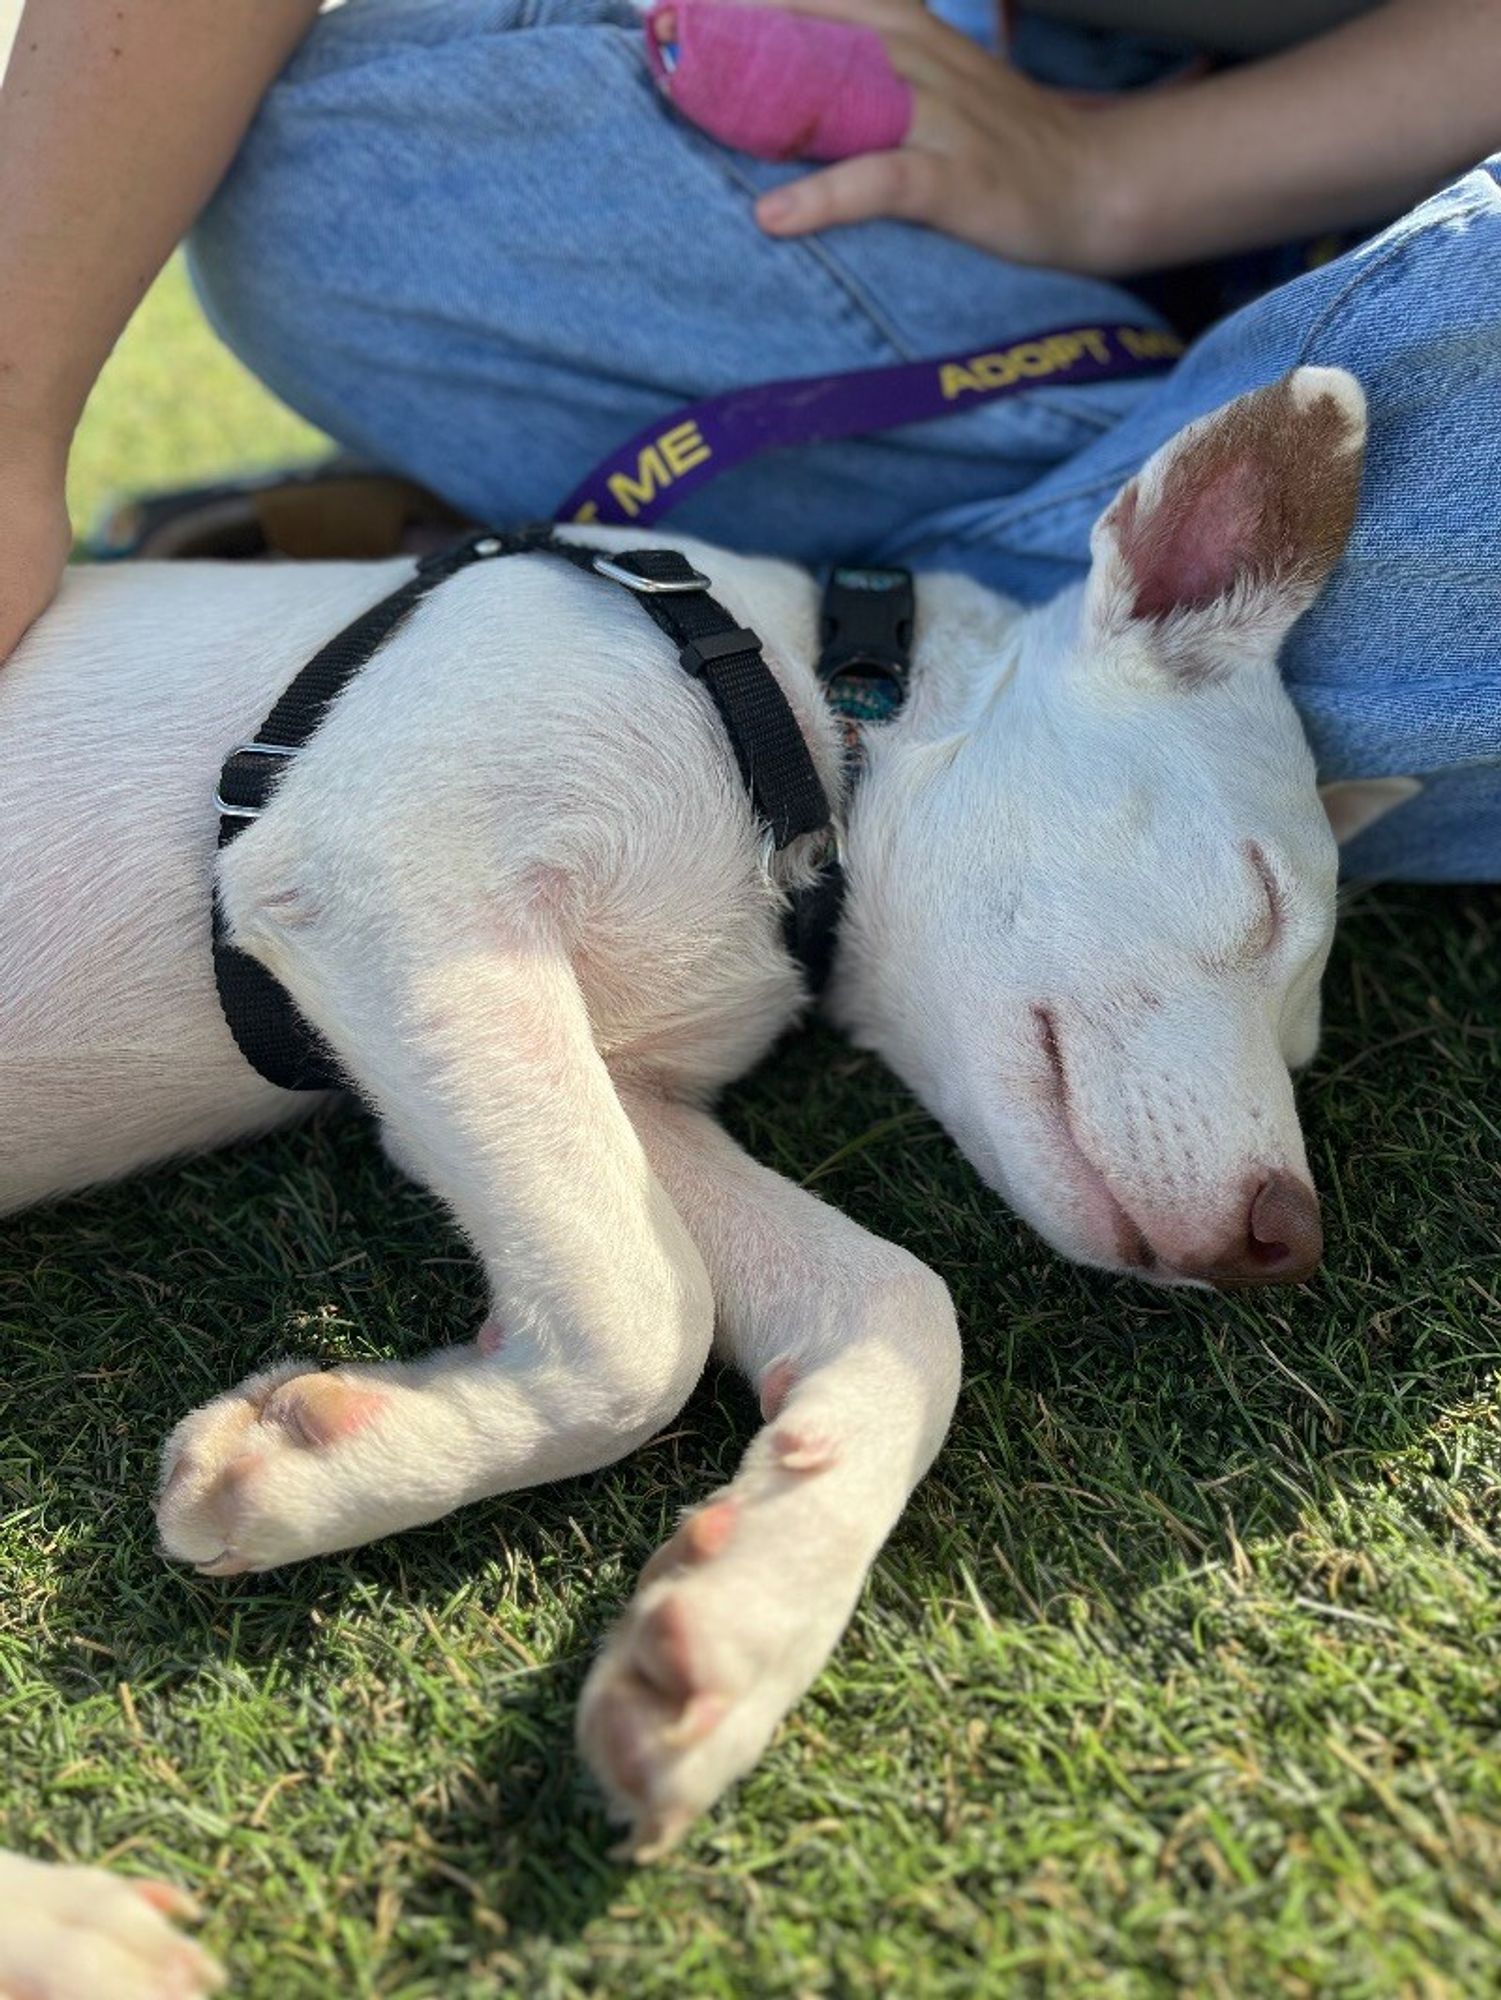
<point>775,765</point>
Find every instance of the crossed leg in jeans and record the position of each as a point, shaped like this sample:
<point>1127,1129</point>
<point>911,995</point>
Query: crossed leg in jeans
<point>469,240</point>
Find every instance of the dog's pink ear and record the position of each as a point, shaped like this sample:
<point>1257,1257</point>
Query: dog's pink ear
<point>1232,528</point>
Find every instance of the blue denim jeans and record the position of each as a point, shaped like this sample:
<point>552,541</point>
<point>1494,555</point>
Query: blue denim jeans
<point>467,239</point>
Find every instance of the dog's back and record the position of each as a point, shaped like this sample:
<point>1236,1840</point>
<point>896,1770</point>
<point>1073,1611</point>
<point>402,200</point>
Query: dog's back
<point>528,724</point>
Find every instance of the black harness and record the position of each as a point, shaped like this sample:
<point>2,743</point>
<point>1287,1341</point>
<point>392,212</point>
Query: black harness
<point>866,639</point>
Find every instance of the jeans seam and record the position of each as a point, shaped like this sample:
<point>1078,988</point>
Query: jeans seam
<point>1407,241</point>
<point>718,159</point>
<point>830,265</point>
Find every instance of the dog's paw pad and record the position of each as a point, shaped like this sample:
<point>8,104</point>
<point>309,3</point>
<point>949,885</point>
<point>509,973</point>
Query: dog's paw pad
<point>243,1489</point>
<point>702,1535</point>
<point>318,1410</point>
<point>167,1900</point>
<point>804,1448</point>
<point>664,1652</point>
<point>648,1705</point>
<point>734,1617</point>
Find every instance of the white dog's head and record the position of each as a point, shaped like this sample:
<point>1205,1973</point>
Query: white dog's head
<point>1092,883</point>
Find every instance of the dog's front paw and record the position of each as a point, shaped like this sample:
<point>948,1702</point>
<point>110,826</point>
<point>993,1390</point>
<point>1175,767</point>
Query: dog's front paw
<point>80,1934</point>
<point>728,1628</point>
<point>284,1466</point>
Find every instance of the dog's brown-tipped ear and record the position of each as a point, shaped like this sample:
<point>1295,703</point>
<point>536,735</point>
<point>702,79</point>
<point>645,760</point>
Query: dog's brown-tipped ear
<point>1243,514</point>
<point>1353,804</point>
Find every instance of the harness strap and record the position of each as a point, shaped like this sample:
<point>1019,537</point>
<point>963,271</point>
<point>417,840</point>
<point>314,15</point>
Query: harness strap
<point>776,766</point>
<point>769,748</point>
<point>250,773</point>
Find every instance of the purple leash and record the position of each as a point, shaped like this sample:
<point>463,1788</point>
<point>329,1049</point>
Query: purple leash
<point>662,465</point>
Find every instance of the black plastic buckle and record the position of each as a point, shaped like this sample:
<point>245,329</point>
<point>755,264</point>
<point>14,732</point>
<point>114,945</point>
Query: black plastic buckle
<point>866,624</point>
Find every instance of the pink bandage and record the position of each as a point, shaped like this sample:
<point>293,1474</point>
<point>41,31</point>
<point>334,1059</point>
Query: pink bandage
<point>781,86</point>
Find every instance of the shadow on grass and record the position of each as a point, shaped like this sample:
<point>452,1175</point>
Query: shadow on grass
<point>1108,1436</point>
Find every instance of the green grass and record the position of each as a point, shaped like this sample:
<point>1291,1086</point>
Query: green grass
<point>1181,1675</point>
<point>172,407</point>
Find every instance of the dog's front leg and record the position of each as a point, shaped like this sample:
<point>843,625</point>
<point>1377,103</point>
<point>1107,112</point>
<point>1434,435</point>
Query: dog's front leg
<point>853,1348</point>
<point>475,1047</point>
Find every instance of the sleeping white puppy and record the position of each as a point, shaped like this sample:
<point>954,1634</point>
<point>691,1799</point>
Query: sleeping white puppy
<point>516,884</point>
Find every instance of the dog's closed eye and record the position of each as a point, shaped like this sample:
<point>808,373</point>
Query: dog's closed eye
<point>1269,925</point>
<point>1259,936</point>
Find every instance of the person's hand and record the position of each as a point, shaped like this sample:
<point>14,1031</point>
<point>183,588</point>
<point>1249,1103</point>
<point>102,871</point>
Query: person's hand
<point>991,157</point>
<point>34,534</point>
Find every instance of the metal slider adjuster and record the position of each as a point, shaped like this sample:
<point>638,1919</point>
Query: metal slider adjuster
<point>225,809</point>
<point>648,586</point>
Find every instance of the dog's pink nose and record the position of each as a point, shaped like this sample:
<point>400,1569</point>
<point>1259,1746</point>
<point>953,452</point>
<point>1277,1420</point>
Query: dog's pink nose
<point>1282,1244</point>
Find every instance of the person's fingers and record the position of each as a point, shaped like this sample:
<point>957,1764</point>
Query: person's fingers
<point>923,63</point>
<point>900,183</point>
<point>980,94</point>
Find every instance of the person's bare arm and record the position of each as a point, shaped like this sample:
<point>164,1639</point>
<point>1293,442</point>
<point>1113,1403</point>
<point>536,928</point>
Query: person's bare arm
<point>1343,129</point>
<point>117,119</point>
<point>1351,127</point>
